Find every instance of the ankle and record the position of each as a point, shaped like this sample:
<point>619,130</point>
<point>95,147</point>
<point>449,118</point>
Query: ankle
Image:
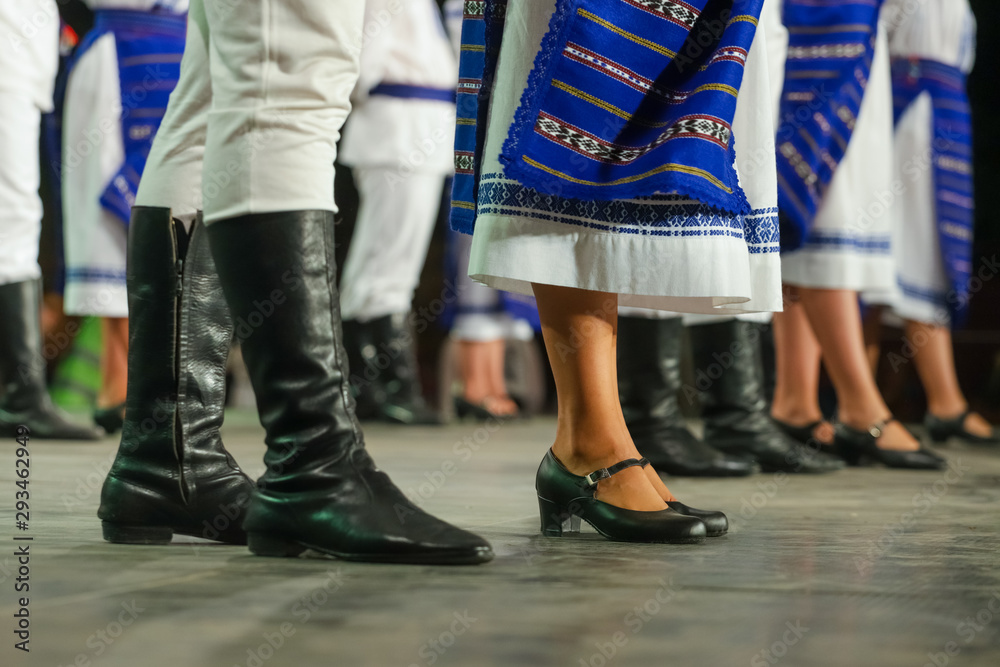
<point>796,416</point>
<point>947,409</point>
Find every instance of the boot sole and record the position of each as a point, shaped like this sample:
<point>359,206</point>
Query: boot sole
<point>270,546</point>
<point>152,535</point>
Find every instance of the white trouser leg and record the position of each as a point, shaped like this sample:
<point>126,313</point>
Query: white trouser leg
<point>282,74</point>
<point>172,177</point>
<point>20,206</point>
<point>387,252</point>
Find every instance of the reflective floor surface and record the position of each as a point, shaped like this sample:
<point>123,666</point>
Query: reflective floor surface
<point>861,567</point>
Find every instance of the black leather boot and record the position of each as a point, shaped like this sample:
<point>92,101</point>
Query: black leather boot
<point>172,474</point>
<point>25,399</point>
<point>321,489</point>
<point>729,376</point>
<point>384,378</point>
<point>648,381</point>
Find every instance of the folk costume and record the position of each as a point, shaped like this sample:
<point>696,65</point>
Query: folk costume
<point>29,56</point>
<point>255,119</point>
<point>479,313</point>
<point>932,44</point>
<point>398,143</point>
<point>834,144</point>
<point>119,82</point>
<point>595,149</point>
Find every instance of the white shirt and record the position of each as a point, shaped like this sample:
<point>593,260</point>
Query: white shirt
<point>405,43</point>
<point>940,30</point>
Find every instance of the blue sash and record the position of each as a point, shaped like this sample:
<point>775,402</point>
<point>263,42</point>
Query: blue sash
<point>410,92</point>
<point>150,46</point>
<point>627,98</point>
<point>952,163</point>
<point>831,44</point>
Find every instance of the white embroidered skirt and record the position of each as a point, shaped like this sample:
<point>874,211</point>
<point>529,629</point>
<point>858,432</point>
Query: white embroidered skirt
<point>661,252</point>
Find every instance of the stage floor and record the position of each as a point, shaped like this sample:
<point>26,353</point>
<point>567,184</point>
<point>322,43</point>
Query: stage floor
<point>861,567</point>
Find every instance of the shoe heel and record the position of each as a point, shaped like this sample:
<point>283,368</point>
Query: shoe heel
<point>270,546</point>
<point>557,519</point>
<point>120,534</point>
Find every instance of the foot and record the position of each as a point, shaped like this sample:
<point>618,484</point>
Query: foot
<point>500,406</point>
<point>974,423</point>
<point>894,436</point>
<point>630,489</point>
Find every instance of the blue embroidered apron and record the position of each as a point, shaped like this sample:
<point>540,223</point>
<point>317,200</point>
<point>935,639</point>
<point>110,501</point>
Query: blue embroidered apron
<point>831,44</point>
<point>951,153</point>
<point>627,98</point>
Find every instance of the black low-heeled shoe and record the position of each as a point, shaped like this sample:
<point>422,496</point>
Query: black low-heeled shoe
<point>110,419</point>
<point>479,412</point>
<point>805,435</point>
<point>860,448</point>
<point>563,496</point>
<point>940,430</point>
<point>716,522</point>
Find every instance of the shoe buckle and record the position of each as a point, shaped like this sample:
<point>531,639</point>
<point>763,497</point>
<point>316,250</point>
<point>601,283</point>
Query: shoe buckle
<point>593,478</point>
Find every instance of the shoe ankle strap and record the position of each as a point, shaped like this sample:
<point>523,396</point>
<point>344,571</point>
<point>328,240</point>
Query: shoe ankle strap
<point>598,475</point>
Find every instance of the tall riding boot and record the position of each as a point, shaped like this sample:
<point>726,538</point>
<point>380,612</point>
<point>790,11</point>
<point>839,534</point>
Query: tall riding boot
<point>384,379</point>
<point>172,474</point>
<point>25,399</point>
<point>321,489</point>
<point>648,381</point>
<point>727,359</point>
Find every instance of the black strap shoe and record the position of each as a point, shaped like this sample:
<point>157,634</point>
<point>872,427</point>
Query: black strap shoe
<point>567,498</point>
<point>25,399</point>
<point>172,473</point>
<point>384,379</point>
<point>941,430</point>
<point>648,382</point>
<point>861,448</point>
<point>321,489</point>
<point>727,355</point>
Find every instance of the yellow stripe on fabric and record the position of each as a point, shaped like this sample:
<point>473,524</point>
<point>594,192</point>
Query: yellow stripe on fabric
<point>653,46</point>
<point>694,171</point>
<point>719,87</point>
<point>607,106</point>
<point>466,121</point>
<point>468,205</point>
<point>474,47</point>
<point>749,18</point>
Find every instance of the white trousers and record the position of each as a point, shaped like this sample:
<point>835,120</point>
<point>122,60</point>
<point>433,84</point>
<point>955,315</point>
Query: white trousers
<point>394,228</point>
<point>253,124</point>
<point>20,206</point>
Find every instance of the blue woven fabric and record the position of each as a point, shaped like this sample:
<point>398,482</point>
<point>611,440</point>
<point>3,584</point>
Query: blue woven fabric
<point>150,46</point>
<point>627,98</point>
<point>831,44</point>
<point>952,164</point>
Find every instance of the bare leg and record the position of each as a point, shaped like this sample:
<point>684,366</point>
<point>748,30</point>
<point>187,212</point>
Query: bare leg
<point>836,321</point>
<point>580,329</point>
<point>114,362</point>
<point>873,336</point>
<point>481,365</point>
<point>797,362</point>
<point>936,367</point>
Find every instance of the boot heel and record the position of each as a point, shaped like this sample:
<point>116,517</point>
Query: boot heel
<point>119,534</point>
<point>557,519</point>
<point>273,547</point>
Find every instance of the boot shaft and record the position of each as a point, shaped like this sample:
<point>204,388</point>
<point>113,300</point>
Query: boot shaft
<point>649,371</point>
<point>22,364</point>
